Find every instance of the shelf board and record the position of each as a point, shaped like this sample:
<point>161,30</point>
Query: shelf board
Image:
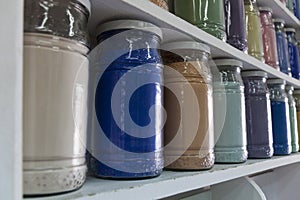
<point>171,183</point>
<point>175,29</point>
<point>281,11</point>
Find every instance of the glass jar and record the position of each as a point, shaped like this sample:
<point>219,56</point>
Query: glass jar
<point>293,51</point>
<point>231,141</point>
<point>293,119</point>
<point>297,102</point>
<point>258,115</point>
<point>235,24</point>
<point>290,5</point>
<point>280,117</point>
<point>296,8</point>
<point>254,30</point>
<point>205,14</point>
<point>55,96</point>
<point>126,101</point>
<point>269,37</point>
<point>188,95</point>
<point>161,3</point>
<point>282,47</point>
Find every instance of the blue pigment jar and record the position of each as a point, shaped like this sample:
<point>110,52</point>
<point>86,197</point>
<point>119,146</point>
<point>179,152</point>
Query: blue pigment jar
<point>280,117</point>
<point>125,139</point>
<point>282,46</point>
<point>293,51</point>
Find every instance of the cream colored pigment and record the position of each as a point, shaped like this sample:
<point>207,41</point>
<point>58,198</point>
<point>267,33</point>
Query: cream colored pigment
<point>55,114</point>
<point>199,145</point>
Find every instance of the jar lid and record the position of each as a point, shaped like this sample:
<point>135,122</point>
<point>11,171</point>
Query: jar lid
<point>129,24</point>
<point>228,62</point>
<point>86,3</point>
<point>278,20</point>
<point>265,9</point>
<point>276,81</point>
<point>186,45</point>
<point>290,30</point>
<point>297,91</point>
<point>289,87</point>
<point>254,73</point>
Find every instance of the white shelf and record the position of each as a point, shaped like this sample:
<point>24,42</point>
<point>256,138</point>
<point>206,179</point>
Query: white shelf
<point>280,11</point>
<point>175,29</point>
<point>172,183</point>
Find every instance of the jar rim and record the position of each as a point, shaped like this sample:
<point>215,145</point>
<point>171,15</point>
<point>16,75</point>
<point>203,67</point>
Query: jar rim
<point>255,74</point>
<point>228,62</point>
<point>265,9</point>
<point>278,20</point>
<point>289,87</point>
<point>297,91</point>
<point>290,30</point>
<point>186,45</point>
<point>129,24</point>
<point>276,81</point>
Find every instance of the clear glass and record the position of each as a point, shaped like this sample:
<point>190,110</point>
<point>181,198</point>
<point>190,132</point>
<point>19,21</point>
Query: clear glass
<point>194,147</point>
<point>254,30</point>
<point>65,18</point>
<point>258,116</point>
<point>293,119</point>
<point>230,134</point>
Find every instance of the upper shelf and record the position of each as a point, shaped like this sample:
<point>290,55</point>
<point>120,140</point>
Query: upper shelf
<point>175,28</point>
<point>171,183</point>
<point>280,11</point>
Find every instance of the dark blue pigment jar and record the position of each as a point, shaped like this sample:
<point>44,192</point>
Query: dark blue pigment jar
<point>282,47</point>
<point>293,51</point>
<point>280,117</point>
<point>126,101</point>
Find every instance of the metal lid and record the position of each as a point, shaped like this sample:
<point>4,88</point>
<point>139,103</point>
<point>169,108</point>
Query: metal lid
<point>254,73</point>
<point>87,4</point>
<point>276,81</point>
<point>289,87</point>
<point>278,20</point>
<point>290,30</point>
<point>228,62</point>
<point>129,24</point>
<point>297,91</point>
<point>265,9</point>
<point>186,45</point>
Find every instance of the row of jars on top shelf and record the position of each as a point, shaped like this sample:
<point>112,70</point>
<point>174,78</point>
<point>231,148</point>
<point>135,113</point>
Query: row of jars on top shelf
<point>248,28</point>
<point>107,110</point>
<point>293,6</point>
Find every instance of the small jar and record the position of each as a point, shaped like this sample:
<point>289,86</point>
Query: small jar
<point>254,30</point>
<point>258,115</point>
<point>126,101</point>
<point>235,24</point>
<point>229,112</point>
<point>55,95</point>
<point>297,101</point>
<point>293,119</point>
<point>280,117</point>
<point>188,95</point>
<point>290,5</point>
<point>205,14</point>
<point>161,3</point>
<point>269,37</point>
<point>282,47</point>
<point>293,51</point>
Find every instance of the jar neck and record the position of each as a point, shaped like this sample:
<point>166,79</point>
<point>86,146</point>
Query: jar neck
<point>277,92</point>
<point>228,75</point>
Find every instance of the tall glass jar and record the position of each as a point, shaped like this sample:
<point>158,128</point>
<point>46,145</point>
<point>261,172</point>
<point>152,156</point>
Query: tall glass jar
<point>235,24</point>
<point>188,95</point>
<point>161,3</point>
<point>231,140</point>
<point>258,115</point>
<point>293,52</point>
<point>55,95</point>
<point>297,101</point>
<point>126,101</point>
<point>205,14</point>
<point>254,30</point>
<point>293,119</point>
<point>269,37</point>
<point>280,117</point>
<point>282,47</point>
